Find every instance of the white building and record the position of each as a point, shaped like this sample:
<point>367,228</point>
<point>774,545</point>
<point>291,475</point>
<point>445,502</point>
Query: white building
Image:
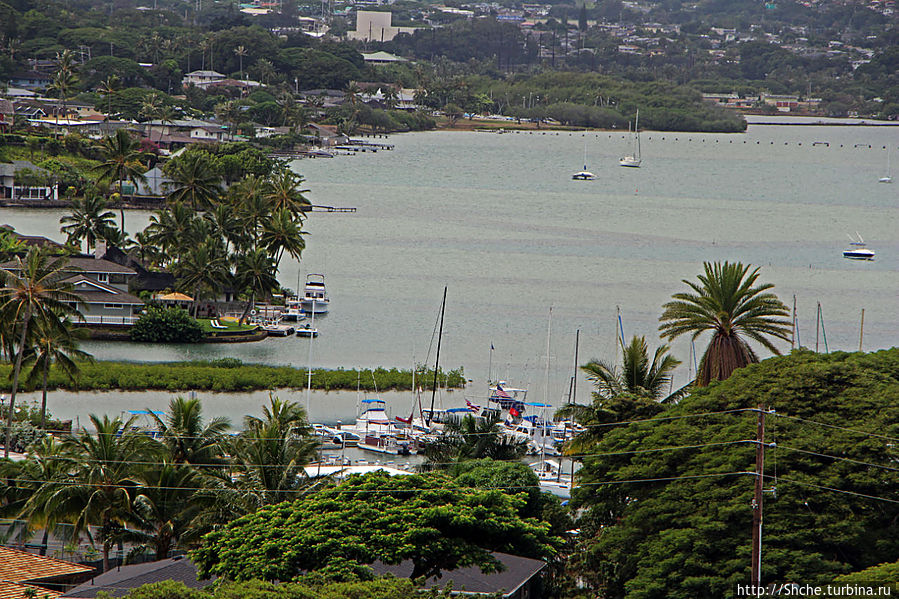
<point>374,26</point>
<point>201,78</point>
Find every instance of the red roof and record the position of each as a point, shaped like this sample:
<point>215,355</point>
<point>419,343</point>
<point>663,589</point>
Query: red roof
<point>21,566</point>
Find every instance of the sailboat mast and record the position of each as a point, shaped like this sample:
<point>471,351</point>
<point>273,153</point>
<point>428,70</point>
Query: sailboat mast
<point>437,359</point>
<point>637,133</point>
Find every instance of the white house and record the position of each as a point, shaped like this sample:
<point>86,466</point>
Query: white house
<point>14,188</point>
<point>201,78</point>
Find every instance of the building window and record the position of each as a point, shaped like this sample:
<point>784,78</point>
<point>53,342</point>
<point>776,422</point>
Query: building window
<point>103,277</point>
<point>113,306</point>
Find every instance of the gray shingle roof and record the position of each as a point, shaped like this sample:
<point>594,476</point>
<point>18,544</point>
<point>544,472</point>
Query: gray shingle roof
<point>119,581</point>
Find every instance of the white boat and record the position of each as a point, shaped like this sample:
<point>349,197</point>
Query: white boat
<point>857,249</point>
<point>334,438</point>
<point>634,160</point>
<point>306,329</point>
<point>276,329</point>
<point>584,175</point>
<point>888,178</point>
<point>293,311</point>
<point>315,296</point>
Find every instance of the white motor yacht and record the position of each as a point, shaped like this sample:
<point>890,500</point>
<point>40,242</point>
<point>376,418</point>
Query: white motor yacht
<point>857,249</point>
<point>315,296</point>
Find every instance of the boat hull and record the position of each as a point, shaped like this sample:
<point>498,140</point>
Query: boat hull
<point>630,162</point>
<point>317,306</point>
<point>858,255</point>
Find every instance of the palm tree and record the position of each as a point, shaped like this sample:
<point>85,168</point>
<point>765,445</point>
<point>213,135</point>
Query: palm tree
<point>281,233</point>
<point>88,220</point>
<point>240,51</point>
<point>637,376</point>
<point>226,226</point>
<point>203,269</point>
<point>469,439</point>
<point>255,275</point>
<point>270,454</point>
<point>188,439</point>
<point>47,464</point>
<point>55,342</point>
<point>726,302</point>
<point>195,180</point>
<point>63,80</point>
<point>150,109</point>
<point>172,230</point>
<point>107,88</point>
<point>33,290</point>
<point>121,157</point>
<point>251,204</point>
<point>284,191</point>
<point>103,478</point>
<point>228,112</point>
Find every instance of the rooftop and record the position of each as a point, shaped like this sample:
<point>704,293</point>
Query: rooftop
<point>20,566</point>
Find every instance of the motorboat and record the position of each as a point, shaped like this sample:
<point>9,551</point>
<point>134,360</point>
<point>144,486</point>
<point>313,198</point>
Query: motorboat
<point>857,249</point>
<point>335,438</point>
<point>293,311</point>
<point>315,296</point>
<point>389,444</point>
<point>634,160</point>
<point>276,329</point>
<point>305,329</point>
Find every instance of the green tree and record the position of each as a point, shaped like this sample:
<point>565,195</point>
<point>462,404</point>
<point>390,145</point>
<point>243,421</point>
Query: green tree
<point>726,302</point>
<point>172,230</point>
<point>638,374</point>
<point>88,220</point>
<point>283,191</point>
<point>281,233</point>
<point>64,81</point>
<point>120,162</point>
<point>255,275</point>
<point>190,440</point>
<point>428,520</point>
<point>33,290</point>
<point>203,269</point>
<point>668,501</point>
<point>166,325</point>
<point>195,180</point>
<point>471,438</point>
<point>55,342</point>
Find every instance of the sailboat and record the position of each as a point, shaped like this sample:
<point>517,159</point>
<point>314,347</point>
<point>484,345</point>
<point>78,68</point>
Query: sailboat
<point>634,160</point>
<point>584,175</point>
<point>888,178</point>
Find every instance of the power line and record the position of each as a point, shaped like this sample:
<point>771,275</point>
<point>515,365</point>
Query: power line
<point>842,428</point>
<point>833,457</point>
<point>822,487</point>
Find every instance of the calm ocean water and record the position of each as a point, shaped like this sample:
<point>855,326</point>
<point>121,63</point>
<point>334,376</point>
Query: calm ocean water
<point>498,220</point>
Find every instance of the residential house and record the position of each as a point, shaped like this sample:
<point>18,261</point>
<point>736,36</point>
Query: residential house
<point>34,240</point>
<point>17,184</point>
<point>782,103</point>
<point>122,580</point>
<point>102,287</point>
<point>29,80</point>
<point>382,58</point>
<point>7,115</point>
<point>201,78</point>
<point>24,574</point>
<point>155,184</point>
<point>146,279</point>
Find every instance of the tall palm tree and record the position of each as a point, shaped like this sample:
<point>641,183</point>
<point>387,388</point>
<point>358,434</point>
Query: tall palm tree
<point>45,465</point>
<point>104,478</point>
<point>203,269</point>
<point>172,229</point>
<point>240,51</point>
<point>255,276</point>
<point>121,161</point>
<point>33,290</point>
<point>107,88</point>
<point>88,220</point>
<point>270,454</point>
<point>189,440</point>
<point>63,80</point>
<point>226,226</point>
<point>55,342</point>
<point>251,204</point>
<point>727,302</point>
<point>281,233</point>
<point>150,109</point>
<point>195,180</point>
<point>637,376</point>
<point>283,190</point>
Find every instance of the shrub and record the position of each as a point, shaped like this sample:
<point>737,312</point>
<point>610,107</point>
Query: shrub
<point>167,325</point>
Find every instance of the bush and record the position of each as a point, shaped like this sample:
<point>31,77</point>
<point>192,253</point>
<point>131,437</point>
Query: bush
<point>167,325</point>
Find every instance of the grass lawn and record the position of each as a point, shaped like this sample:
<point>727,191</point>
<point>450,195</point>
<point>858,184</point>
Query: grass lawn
<point>233,326</point>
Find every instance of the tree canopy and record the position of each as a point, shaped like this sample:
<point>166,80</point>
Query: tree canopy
<point>681,527</point>
<point>430,520</point>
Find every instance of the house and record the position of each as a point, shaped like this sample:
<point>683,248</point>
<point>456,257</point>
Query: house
<point>782,103</point>
<point>22,180</point>
<point>33,240</point>
<point>373,26</point>
<point>120,581</point>
<point>201,78</point>
<point>146,279</point>
<point>7,115</point>
<point>519,579</point>
<point>155,183</point>
<point>29,80</point>
<point>24,574</point>
<point>102,286</point>
<point>382,58</point>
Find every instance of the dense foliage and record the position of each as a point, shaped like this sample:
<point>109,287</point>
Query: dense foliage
<point>680,528</point>
<point>166,325</point>
<point>429,520</point>
<point>230,374</point>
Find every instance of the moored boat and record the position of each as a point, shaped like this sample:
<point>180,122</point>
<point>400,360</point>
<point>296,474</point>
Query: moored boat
<point>315,296</point>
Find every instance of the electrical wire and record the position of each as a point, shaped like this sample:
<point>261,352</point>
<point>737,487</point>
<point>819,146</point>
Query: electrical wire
<point>842,428</point>
<point>833,457</point>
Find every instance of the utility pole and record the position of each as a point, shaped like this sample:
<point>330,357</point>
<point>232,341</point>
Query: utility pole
<point>757,500</point>
<point>861,331</point>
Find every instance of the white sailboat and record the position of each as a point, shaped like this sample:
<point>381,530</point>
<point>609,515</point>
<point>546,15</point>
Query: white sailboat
<point>584,175</point>
<point>634,160</point>
<point>888,178</point>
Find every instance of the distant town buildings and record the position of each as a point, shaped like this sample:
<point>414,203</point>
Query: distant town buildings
<point>372,26</point>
